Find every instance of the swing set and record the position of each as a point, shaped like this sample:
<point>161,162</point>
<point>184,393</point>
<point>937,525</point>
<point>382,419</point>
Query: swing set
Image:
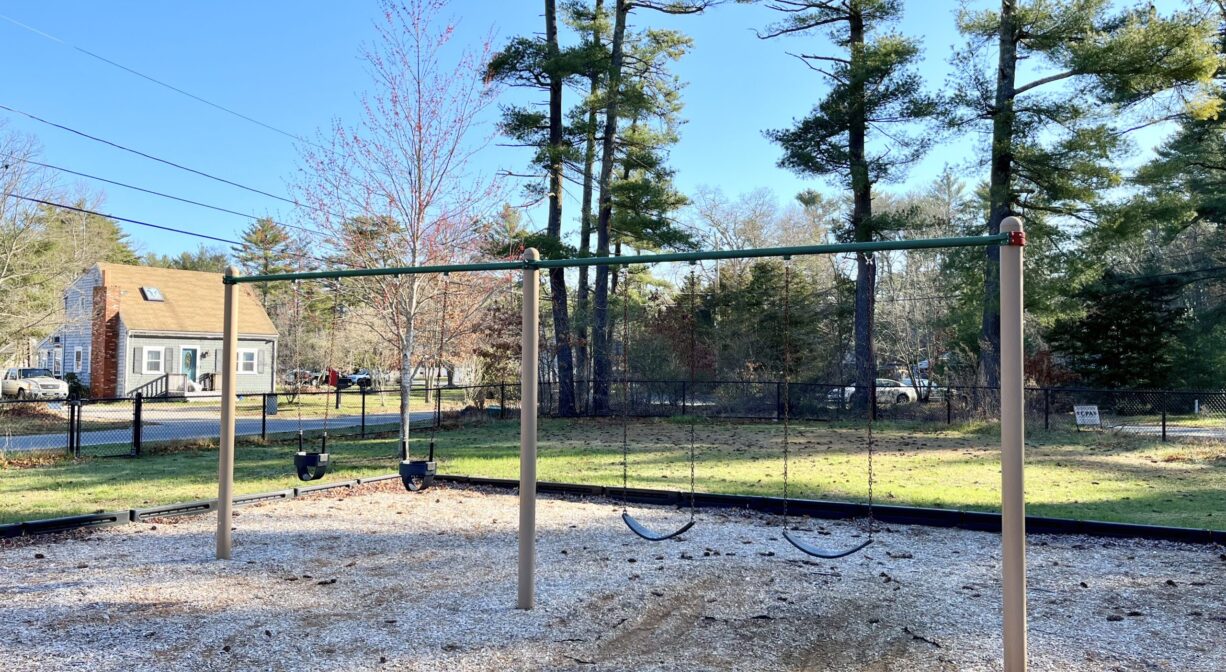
<point>1010,243</point>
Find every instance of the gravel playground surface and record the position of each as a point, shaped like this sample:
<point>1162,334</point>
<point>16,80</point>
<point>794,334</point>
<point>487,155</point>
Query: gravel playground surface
<point>379,579</point>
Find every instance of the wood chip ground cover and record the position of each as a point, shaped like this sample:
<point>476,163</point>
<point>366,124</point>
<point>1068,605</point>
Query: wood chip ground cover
<point>379,579</point>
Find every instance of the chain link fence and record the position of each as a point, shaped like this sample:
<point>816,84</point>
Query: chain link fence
<point>128,427</point>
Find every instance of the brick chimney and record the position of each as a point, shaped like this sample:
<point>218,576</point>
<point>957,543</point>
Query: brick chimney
<point>104,351</point>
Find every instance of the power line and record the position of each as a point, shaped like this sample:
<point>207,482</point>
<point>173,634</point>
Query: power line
<point>125,219</point>
<point>163,195</point>
<point>161,83</point>
<point>151,225</point>
<point>201,173</point>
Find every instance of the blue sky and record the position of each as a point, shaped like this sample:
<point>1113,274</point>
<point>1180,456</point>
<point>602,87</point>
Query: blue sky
<point>296,67</point>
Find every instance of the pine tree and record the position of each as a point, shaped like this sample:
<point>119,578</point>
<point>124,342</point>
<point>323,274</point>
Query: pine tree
<point>873,87</point>
<point>267,249</point>
<point>1057,138</point>
<point>609,158</point>
<point>541,64</point>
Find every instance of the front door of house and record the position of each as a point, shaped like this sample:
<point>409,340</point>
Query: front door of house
<point>188,364</point>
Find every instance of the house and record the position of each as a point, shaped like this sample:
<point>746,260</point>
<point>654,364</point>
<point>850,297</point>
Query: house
<point>157,331</point>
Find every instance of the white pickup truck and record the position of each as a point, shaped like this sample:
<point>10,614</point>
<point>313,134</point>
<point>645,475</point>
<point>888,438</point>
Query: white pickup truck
<point>32,384</point>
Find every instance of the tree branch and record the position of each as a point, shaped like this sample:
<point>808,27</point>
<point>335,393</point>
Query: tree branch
<point>1044,80</point>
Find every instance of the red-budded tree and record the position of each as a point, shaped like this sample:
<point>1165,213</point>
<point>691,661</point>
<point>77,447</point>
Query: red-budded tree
<point>397,187</point>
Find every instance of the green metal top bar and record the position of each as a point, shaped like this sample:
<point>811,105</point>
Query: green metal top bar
<point>793,251</point>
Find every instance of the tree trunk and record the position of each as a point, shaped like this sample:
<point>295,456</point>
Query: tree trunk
<point>999,193</point>
<point>601,370</point>
<point>585,230</point>
<point>557,276</point>
<point>861,220</point>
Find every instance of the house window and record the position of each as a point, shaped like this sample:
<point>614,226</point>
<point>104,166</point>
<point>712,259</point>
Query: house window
<point>58,366</point>
<point>247,361</point>
<point>152,294</point>
<point>153,360</point>
<point>78,358</point>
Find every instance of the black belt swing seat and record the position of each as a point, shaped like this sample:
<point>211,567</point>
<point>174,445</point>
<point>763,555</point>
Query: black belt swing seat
<point>809,549</point>
<point>635,526</point>
<point>800,544</point>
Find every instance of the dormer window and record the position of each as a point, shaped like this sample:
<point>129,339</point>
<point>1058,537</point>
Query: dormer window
<point>152,294</point>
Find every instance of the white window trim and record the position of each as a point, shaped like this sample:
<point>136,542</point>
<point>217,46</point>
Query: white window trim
<point>255,361</point>
<point>78,359</point>
<point>144,365</point>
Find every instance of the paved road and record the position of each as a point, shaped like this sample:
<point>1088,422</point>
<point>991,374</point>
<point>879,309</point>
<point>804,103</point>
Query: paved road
<point>187,424</point>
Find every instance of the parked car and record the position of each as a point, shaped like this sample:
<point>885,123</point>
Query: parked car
<point>888,392</point>
<point>33,384</point>
<point>360,378</point>
<point>925,389</point>
<point>934,392</point>
<point>302,377</point>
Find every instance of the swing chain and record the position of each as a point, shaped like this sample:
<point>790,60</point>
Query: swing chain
<point>693,365</point>
<point>625,387</point>
<point>871,412</point>
<point>336,309</point>
<point>787,388</point>
<point>298,356</point>
<point>438,361</point>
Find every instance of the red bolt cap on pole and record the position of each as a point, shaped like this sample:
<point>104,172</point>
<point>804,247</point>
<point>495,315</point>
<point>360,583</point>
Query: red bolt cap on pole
<point>1016,239</point>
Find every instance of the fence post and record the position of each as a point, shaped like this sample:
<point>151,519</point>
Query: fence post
<point>1165,395</point>
<point>72,428</point>
<point>77,431</point>
<point>338,396</point>
<point>264,417</point>
<point>502,401</point>
<point>949,405</point>
<point>1047,408</point>
<point>362,390</point>
<point>778,400</point>
<point>685,396</point>
<point>137,408</point>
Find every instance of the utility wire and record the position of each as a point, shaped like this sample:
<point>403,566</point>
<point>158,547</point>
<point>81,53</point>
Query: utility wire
<point>151,157</point>
<point>163,195</point>
<point>159,82</point>
<point>160,227</point>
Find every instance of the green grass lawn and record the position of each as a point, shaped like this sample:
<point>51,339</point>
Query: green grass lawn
<point>1088,475</point>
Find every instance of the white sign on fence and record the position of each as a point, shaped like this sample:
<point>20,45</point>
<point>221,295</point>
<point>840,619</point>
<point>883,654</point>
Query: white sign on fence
<point>1087,416</point>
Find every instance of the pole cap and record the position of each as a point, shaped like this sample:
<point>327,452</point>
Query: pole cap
<point>531,255</point>
<point>1013,227</point>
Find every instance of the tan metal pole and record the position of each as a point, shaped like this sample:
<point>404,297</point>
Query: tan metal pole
<point>527,435</point>
<point>225,454</point>
<point>1012,447</point>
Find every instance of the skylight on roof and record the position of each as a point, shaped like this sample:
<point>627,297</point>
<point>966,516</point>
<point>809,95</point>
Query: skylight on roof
<point>152,294</point>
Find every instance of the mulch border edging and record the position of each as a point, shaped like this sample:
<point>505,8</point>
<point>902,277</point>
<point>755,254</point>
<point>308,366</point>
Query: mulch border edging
<point>983,521</point>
